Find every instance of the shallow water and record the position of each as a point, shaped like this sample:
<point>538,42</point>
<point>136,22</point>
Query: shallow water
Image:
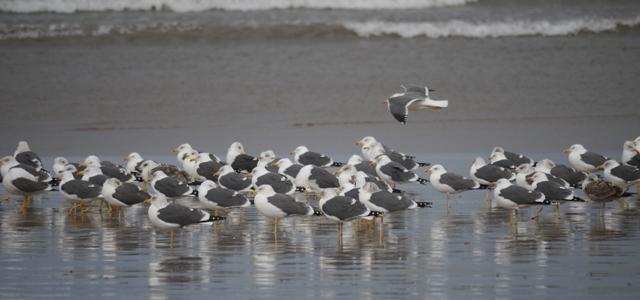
<point>429,253</point>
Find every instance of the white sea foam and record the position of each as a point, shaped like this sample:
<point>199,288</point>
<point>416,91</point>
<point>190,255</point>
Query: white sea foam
<point>457,28</point>
<point>70,6</point>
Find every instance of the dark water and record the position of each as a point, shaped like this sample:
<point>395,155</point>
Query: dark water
<point>473,250</point>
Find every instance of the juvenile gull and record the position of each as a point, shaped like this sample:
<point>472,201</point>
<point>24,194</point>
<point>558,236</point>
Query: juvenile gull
<point>229,179</point>
<point>120,194</point>
<point>169,186</point>
<point>239,160</point>
<point>213,196</point>
<point>449,182</point>
<point>400,104</point>
<point>630,155</point>
<point>622,175</point>
<point>599,190</point>
<point>516,158</point>
<point>303,156</point>
<point>583,160</point>
<point>165,215</point>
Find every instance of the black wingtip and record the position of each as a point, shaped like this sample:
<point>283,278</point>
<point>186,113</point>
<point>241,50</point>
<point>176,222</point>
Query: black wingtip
<point>253,202</point>
<point>216,218</point>
<point>375,214</point>
<point>317,212</point>
<point>484,187</point>
<point>54,182</point>
<point>424,204</point>
<point>397,191</point>
<point>578,199</point>
<point>337,164</point>
<point>423,164</point>
<point>139,179</point>
<point>194,193</point>
<point>301,189</point>
<point>195,183</point>
<point>423,180</point>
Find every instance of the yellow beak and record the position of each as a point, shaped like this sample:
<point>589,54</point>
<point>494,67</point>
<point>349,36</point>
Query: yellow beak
<point>125,158</point>
<point>275,164</point>
<point>147,201</point>
<point>493,184</point>
<point>175,150</point>
<point>359,142</point>
<point>600,168</point>
<point>427,170</point>
<point>566,150</point>
<point>292,152</point>
<point>81,173</point>
<point>216,173</point>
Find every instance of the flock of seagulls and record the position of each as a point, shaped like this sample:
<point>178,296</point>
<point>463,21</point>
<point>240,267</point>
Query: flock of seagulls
<point>367,186</point>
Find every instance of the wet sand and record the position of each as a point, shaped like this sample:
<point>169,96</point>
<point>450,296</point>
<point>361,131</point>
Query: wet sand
<point>149,93</point>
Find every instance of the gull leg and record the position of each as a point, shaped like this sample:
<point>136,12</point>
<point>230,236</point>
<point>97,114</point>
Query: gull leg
<point>73,209</point>
<point>170,238</point>
<point>340,233</point>
<point>7,199</point>
<point>275,228</point>
<point>381,228</point>
<point>602,207</point>
<point>623,204</point>
<point>537,214</point>
<point>144,186</point>
<point>26,201</point>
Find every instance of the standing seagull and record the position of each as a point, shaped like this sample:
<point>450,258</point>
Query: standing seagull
<point>603,191</point>
<point>371,149</point>
<point>213,196</point>
<point>287,168</point>
<point>79,191</point>
<point>207,165</point>
<point>303,156</point>
<point>169,186</point>
<point>22,179</point>
<point>24,155</point>
<point>500,160</point>
<point>621,175</point>
<point>516,158</point>
<point>341,209</point>
<point>316,179</point>
<point>170,216</point>
<point>552,190</point>
<point>513,197</point>
<point>274,205</point>
<point>448,182</point>
<point>393,172</point>
<point>229,179</point>
<point>279,183</point>
<point>488,174</point>
<point>399,104</point>
<point>108,168</point>
<point>239,160</point>
<point>119,194</point>
<point>133,160</point>
<point>583,160</point>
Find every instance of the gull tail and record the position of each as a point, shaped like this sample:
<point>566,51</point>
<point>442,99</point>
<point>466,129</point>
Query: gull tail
<point>424,204</point>
<point>423,164</point>
<point>195,183</point>
<point>578,199</point>
<point>194,193</point>
<point>337,164</point>
<point>375,213</point>
<point>317,212</point>
<point>301,189</point>
<point>214,219</point>
<point>423,180</point>
<point>54,182</point>
<point>397,191</point>
<point>139,179</point>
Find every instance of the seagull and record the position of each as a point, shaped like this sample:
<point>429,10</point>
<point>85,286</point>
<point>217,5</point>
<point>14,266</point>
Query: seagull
<point>239,160</point>
<point>213,196</point>
<point>399,104</point>
<point>133,161</point>
<point>108,168</point>
<point>79,191</point>
<point>341,209</point>
<point>23,179</point>
<point>630,155</point>
<point>376,199</point>
<point>229,179</point>
<point>364,166</point>
<point>169,186</point>
<point>287,168</point>
<point>393,172</point>
<point>280,183</point>
<point>552,191</point>
<point>274,205</point>
<point>120,194</point>
<point>448,182</point>
<point>599,190</point>
<point>315,179</point>
<point>60,164</point>
<point>621,175</point>
<point>583,160</point>
<point>24,155</point>
<point>513,197</point>
<point>303,156</point>
<point>488,174</point>
<point>523,172</point>
<point>516,158</point>
<point>266,159</point>
<point>190,165</point>
<point>500,160</point>
<point>94,175</point>
<point>207,165</point>
<point>165,215</point>
<point>371,149</point>
<point>182,151</point>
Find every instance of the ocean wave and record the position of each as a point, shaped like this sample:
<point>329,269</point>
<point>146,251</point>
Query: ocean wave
<point>453,28</point>
<point>458,28</point>
<point>70,6</point>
